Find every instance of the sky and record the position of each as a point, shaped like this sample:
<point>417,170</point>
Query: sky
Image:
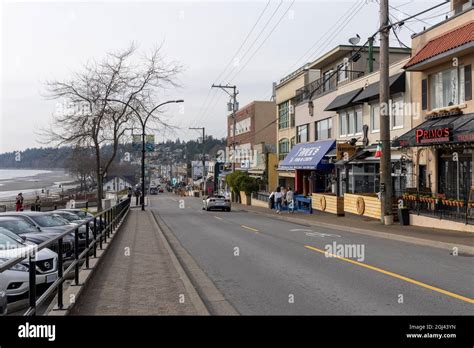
<point>212,40</point>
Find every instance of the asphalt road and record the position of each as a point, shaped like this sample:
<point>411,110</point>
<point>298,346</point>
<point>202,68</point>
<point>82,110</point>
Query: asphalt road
<point>265,266</point>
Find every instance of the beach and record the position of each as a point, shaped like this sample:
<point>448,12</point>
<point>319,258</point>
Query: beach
<point>31,182</point>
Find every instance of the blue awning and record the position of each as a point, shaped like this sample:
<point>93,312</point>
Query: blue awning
<point>308,155</point>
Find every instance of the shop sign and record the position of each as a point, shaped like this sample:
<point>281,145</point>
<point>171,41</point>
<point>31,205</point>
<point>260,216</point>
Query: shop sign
<point>433,135</point>
<point>465,137</point>
<point>344,151</point>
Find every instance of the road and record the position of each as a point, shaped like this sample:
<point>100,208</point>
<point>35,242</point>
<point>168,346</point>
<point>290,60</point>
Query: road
<point>265,266</point>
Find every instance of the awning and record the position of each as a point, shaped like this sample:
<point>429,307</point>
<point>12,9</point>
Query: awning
<point>308,155</point>
<point>396,82</point>
<point>343,100</point>
<point>438,131</point>
<point>440,47</point>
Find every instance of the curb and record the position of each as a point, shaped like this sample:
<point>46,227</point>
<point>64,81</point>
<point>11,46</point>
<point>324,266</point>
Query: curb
<point>188,285</point>
<point>196,281</point>
<point>462,249</point>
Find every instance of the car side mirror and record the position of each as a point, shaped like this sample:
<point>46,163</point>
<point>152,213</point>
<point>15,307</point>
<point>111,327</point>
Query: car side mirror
<point>38,228</point>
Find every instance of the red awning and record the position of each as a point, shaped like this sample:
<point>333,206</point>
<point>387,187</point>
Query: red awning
<point>444,43</point>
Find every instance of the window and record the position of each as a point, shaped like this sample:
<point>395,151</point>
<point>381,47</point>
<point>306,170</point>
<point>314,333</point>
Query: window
<point>350,118</point>
<point>375,117</point>
<point>327,80</point>
<point>283,115</point>
<point>447,88</point>
<point>358,121</point>
<point>302,133</point>
<point>342,74</point>
<point>342,124</point>
<point>396,117</point>
<point>283,148</point>
<point>323,129</point>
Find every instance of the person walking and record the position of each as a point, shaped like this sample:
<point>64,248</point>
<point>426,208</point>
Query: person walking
<point>19,202</point>
<point>290,196</point>
<point>277,196</point>
<point>38,203</point>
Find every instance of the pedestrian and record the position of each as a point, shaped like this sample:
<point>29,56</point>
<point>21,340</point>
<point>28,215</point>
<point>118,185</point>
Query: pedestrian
<point>38,203</point>
<point>130,191</point>
<point>19,202</point>
<point>290,196</point>
<point>277,196</point>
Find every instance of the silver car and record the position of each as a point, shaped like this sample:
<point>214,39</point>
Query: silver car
<point>216,203</point>
<point>3,296</point>
<point>16,279</point>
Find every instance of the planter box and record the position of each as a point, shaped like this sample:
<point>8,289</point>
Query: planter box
<point>363,205</point>
<point>244,199</point>
<point>328,203</point>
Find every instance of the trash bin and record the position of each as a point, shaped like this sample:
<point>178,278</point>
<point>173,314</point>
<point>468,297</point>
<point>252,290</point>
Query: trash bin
<point>404,216</point>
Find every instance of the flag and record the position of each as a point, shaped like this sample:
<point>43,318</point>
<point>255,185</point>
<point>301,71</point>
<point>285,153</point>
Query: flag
<point>378,152</point>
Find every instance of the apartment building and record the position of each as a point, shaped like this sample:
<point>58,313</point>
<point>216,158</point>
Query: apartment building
<point>316,118</point>
<point>441,144</point>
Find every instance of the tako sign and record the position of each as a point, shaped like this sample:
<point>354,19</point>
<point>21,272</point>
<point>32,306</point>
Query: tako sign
<point>433,135</point>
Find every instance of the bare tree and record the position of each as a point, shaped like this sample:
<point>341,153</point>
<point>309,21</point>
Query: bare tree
<point>90,119</point>
<point>81,166</point>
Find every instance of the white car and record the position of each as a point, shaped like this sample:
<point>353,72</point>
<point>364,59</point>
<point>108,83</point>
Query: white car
<point>16,279</point>
<point>216,202</point>
<point>3,296</point>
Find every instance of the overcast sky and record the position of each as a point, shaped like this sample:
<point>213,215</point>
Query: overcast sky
<point>45,40</point>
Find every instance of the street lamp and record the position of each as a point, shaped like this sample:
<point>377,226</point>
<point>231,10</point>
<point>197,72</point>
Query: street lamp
<point>143,124</point>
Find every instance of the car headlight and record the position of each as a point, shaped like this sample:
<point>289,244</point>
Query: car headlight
<point>18,267</point>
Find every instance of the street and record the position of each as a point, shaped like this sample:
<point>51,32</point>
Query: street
<point>265,266</point>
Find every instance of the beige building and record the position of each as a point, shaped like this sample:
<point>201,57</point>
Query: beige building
<point>441,144</point>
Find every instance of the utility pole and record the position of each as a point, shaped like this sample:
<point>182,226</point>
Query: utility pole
<point>385,160</point>
<point>234,109</point>
<point>371,54</point>
<point>203,155</point>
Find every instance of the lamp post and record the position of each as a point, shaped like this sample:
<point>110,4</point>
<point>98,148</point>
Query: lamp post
<point>143,124</point>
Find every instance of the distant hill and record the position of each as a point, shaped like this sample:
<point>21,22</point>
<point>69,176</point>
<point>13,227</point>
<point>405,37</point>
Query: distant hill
<point>52,157</point>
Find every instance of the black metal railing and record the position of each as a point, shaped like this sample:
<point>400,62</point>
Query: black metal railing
<point>325,85</point>
<point>103,225</point>
<point>261,196</point>
<point>438,206</point>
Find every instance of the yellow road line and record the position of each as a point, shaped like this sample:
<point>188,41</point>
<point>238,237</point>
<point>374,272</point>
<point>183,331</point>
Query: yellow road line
<point>249,228</point>
<point>398,276</point>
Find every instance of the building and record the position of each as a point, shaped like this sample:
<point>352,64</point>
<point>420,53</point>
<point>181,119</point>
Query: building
<point>325,112</point>
<point>254,125</point>
<point>118,183</point>
<point>285,92</point>
<point>441,144</point>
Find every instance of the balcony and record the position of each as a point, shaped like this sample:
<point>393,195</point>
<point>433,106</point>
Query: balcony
<point>321,86</point>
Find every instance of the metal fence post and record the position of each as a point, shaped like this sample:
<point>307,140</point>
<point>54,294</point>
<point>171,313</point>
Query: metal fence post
<point>87,244</point>
<point>76,255</point>
<point>101,231</point>
<point>95,236</point>
<point>32,279</point>
<point>60,273</point>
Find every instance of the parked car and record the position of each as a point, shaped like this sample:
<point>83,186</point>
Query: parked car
<point>161,190</point>
<point>3,296</point>
<point>29,232</point>
<point>153,190</point>
<point>49,222</point>
<point>216,202</point>
<point>85,215</point>
<point>16,279</point>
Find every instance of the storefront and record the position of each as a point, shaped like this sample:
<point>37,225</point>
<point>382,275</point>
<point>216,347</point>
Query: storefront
<point>313,170</point>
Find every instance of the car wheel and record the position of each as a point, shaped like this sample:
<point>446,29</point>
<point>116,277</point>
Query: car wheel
<point>228,209</point>
<point>208,209</point>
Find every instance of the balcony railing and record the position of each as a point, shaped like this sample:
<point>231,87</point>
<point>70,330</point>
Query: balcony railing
<point>325,85</point>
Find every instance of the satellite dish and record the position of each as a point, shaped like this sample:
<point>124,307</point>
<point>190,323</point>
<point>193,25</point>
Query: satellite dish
<point>354,40</point>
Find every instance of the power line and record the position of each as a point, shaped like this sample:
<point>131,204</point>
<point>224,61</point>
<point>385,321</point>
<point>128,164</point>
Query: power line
<point>258,37</point>
<point>264,40</point>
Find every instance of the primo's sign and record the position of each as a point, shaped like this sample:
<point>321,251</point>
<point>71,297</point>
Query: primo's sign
<point>433,135</point>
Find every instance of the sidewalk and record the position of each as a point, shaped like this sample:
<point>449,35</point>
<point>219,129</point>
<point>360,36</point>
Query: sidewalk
<point>445,239</point>
<point>138,275</point>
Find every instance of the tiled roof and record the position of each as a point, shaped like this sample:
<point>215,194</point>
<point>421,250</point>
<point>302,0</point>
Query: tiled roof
<point>444,43</point>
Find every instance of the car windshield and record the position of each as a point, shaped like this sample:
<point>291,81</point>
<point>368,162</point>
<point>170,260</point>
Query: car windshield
<point>7,242</point>
<point>68,217</point>
<point>48,220</point>
<point>18,226</point>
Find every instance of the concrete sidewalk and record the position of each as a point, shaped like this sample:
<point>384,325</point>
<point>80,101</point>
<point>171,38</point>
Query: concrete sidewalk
<point>351,223</point>
<point>139,276</point>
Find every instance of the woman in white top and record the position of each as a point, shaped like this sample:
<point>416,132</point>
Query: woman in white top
<point>277,196</point>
